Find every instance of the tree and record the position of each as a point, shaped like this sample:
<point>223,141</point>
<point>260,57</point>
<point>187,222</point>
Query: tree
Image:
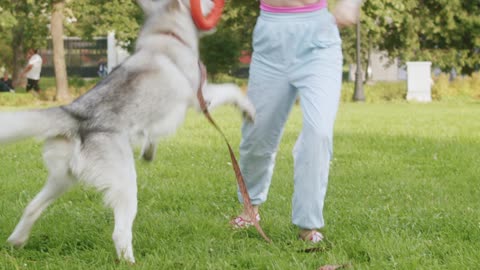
<point>221,51</point>
<point>451,35</point>
<point>7,21</point>
<point>444,32</point>
<point>99,17</point>
<point>24,25</point>
<point>62,93</point>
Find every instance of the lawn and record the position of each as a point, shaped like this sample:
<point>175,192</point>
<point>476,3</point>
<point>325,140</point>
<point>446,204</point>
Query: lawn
<point>404,194</point>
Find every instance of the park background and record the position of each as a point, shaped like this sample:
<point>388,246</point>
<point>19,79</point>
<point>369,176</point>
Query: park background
<point>404,184</point>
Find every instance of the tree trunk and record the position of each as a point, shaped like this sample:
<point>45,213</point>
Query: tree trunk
<point>62,93</point>
<point>18,46</point>
<point>18,56</point>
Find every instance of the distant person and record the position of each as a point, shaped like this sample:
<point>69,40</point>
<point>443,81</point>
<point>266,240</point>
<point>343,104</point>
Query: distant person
<point>6,84</point>
<point>33,70</point>
<point>453,74</point>
<point>102,69</point>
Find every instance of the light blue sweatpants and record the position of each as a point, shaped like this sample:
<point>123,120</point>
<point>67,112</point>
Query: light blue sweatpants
<point>293,55</point>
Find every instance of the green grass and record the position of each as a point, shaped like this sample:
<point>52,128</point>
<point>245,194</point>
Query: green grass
<point>404,194</point>
<point>77,86</point>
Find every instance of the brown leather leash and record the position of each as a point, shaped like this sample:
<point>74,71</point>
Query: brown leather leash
<point>247,204</point>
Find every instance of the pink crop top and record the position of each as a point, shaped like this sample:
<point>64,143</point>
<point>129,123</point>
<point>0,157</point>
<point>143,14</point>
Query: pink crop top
<point>308,8</point>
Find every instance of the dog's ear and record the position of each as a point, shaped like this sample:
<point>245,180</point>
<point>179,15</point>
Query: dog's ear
<point>146,6</point>
<point>175,5</point>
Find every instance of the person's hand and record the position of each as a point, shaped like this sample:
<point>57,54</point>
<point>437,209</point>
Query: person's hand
<point>346,12</point>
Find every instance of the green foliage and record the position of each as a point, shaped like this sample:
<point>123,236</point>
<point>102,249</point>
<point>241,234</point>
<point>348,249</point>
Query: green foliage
<point>76,81</point>
<point>466,87</point>
<point>463,88</point>
<point>7,22</point>
<point>77,87</point>
<point>451,37</point>
<point>240,17</point>
<point>220,52</point>
<point>6,56</point>
<point>447,33</point>
<point>444,32</point>
<point>98,18</point>
<point>23,24</point>
<point>378,92</point>
<point>403,194</point>
<point>224,78</point>
<point>17,99</point>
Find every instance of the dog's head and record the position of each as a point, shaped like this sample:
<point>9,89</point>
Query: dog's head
<point>159,11</point>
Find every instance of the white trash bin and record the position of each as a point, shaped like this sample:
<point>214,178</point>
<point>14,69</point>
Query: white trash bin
<point>419,81</point>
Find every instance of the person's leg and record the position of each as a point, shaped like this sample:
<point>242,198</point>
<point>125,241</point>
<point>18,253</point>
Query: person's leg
<point>273,97</point>
<point>29,85</point>
<point>317,75</point>
<point>3,87</point>
<point>319,86</point>
<point>36,85</point>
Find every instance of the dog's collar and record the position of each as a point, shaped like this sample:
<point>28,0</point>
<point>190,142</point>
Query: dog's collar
<point>177,37</point>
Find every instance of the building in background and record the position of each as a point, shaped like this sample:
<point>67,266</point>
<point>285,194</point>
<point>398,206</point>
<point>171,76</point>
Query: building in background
<point>381,68</point>
<point>85,58</point>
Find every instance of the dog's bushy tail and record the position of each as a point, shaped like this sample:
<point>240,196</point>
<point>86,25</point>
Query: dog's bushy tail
<point>41,123</point>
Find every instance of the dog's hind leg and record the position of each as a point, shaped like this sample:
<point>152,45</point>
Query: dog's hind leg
<point>108,164</point>
<point>123,200</point>
<point>124,204</point>
<point>57,154</point>
<point>122,197</point>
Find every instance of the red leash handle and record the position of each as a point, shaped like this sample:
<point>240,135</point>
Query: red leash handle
<point>209,22</point>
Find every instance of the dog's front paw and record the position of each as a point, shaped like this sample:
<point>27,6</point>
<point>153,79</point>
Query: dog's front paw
<point>248,109</point>
<point>16,241</point>
<point>148,151</point>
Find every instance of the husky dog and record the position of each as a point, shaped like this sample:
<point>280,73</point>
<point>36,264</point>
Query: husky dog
<point>89,139</point>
